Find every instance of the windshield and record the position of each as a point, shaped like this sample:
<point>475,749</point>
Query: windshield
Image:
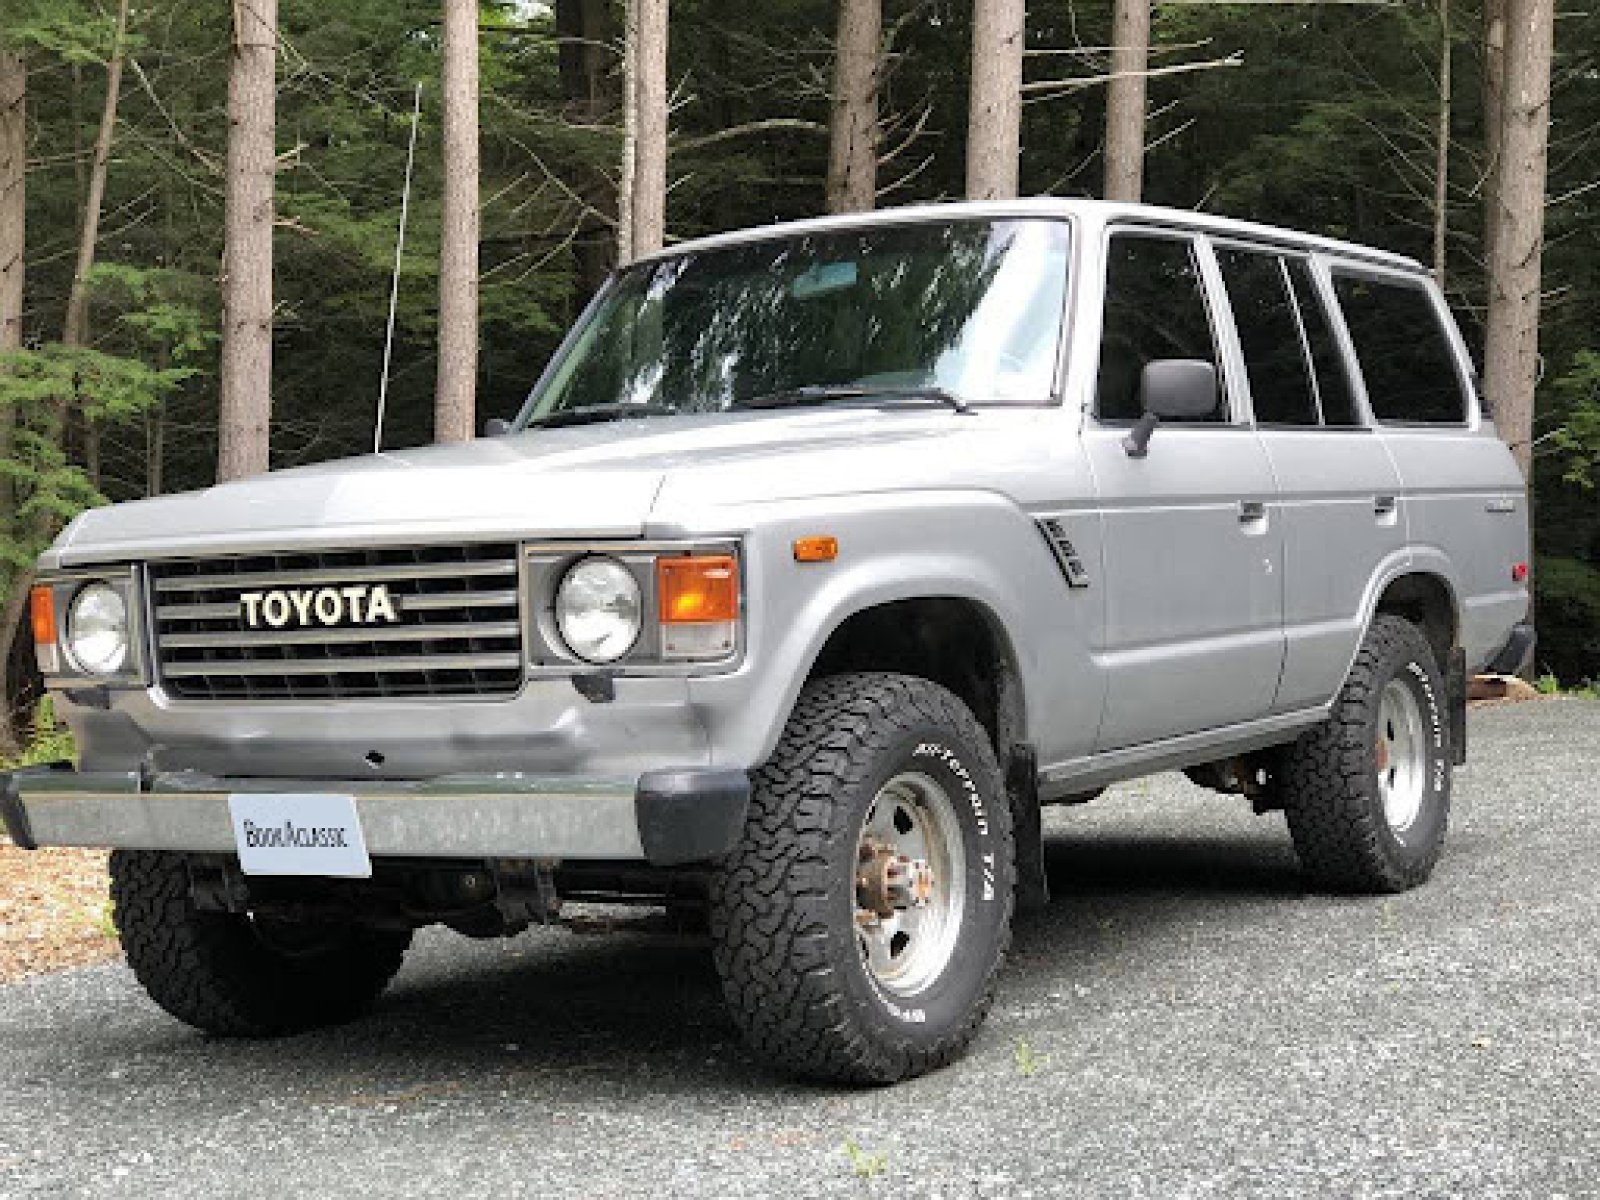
<point>969,310</point>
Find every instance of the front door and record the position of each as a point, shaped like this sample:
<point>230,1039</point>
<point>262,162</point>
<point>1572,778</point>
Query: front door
<point>1193,542</point>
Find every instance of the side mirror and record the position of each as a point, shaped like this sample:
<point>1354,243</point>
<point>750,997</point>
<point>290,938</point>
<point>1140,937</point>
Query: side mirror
<point>1171,389</point>
<point>496,427</point>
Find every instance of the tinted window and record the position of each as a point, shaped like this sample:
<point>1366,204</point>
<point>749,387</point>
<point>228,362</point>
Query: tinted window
<point>1405,359</point>
<point>1155,308</point>
<point>1269,336</point>
<point>1333,383</point>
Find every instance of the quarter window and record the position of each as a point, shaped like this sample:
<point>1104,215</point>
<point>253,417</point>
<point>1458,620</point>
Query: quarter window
<point>1155,309</point>
<point>1406,359</point>
<point>1281,387</point>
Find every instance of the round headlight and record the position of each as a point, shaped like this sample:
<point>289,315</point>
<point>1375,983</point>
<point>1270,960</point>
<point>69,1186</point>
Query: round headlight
<point>598,610</point>
<point>97,629</point>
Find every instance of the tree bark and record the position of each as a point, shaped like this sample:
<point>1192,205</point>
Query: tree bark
<point>853,128</point>
<point>1125,100</point>
<point>650,153</point>
<point>244,420</point>
<point>455,393</point>
<point>994,106</point>
<point>75,330</point>
<point>1441,169</point>
<point>1516,214</point>
<point>13,255</point>
<point>1494,94</point>
<point>630,131</point>
<point>13,242</point>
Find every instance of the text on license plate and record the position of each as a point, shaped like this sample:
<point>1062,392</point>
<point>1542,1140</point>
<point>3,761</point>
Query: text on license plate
<point>299,833</point>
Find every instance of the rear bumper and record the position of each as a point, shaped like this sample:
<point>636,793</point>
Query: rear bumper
<point>1509,658</point>
<point>662,817</point>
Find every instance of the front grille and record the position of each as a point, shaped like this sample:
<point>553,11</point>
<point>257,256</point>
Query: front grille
<point>457,628</point>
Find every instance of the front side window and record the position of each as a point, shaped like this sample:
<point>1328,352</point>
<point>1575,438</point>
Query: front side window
<point>1281,386</point>
<point>1406,358</point>
<point>969,308</point>
<point>1155,308</point>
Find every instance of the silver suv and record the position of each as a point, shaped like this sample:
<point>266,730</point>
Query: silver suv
<point>821,557</point>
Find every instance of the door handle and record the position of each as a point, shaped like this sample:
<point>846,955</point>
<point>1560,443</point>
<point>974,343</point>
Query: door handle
<point>1383,506</point>
<point>1252,511</point>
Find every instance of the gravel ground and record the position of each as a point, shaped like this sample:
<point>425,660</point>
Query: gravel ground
<point>1185,1021</point>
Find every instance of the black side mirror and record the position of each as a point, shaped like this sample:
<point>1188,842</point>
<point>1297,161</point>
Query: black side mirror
<point>496,427</point>
<point>1171,389</point>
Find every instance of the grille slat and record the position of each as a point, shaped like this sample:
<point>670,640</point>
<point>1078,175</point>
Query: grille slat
<point>451,636</point>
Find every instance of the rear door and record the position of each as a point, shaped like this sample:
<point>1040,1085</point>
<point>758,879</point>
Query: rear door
<point>1339,491</point>
<point>1193,629</point>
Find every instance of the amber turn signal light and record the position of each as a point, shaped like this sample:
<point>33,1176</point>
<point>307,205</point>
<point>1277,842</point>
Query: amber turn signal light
<point>697,589</point>
<point>816,549</point>
<point>42,607</point>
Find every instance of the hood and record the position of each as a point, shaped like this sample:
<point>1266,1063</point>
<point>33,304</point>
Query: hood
<point>587,481</point>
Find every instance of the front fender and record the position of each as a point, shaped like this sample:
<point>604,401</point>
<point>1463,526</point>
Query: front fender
<point>975,546</point>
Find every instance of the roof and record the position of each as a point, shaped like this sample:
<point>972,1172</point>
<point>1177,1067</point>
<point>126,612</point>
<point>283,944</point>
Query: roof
<point>1097,211</point>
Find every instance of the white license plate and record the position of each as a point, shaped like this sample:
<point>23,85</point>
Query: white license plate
<point>290,833</point>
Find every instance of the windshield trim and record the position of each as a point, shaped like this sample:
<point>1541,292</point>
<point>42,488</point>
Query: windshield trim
<point>1055,398</point>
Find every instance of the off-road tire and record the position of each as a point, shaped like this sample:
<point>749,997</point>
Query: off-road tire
<point>218,972</point>
<point>1328,779</point>
<point>783,903</point>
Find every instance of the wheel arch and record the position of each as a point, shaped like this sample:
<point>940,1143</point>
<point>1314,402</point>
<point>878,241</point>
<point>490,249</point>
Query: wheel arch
<point>1427,599</point>
<point>956,641</point>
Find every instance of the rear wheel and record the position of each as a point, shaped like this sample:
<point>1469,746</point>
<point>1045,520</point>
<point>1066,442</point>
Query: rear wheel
<point>1367,794</point>
<point>238,975</point>
<point>860,923</point>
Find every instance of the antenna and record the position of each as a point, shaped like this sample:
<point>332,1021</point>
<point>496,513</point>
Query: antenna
<point>394,283</point>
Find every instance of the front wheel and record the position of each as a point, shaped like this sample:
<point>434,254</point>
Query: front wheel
<point>1367,794</point>
<point>860,923</point>
<point>238,975</point>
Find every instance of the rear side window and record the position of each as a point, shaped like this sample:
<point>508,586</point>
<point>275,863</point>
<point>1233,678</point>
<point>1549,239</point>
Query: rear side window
<point>1155,308</point>
<point>1405,356</point>
<point>1281,386</point>
<point>1333,383</point>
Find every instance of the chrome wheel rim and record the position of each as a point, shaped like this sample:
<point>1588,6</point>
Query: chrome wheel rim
<point>910,884</point>
<point>1402,754</point>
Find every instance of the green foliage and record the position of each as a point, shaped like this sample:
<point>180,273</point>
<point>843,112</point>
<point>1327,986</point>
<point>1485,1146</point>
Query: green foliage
<point>47,741</point>
<point>1576,439</point>
<point>865,1165</point>
<point>1568,616</point>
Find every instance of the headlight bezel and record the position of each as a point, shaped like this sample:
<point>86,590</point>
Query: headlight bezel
<point>61,662</point>
<point>546,564</point>
<point>73,635</point>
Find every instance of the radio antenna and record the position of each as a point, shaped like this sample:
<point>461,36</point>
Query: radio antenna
<point>394,282</point>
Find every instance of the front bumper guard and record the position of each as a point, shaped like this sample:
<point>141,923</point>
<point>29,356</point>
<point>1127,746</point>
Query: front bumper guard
<point>663,817</point>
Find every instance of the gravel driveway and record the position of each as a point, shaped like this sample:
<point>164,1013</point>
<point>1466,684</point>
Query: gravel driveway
<point>1184,1021</point>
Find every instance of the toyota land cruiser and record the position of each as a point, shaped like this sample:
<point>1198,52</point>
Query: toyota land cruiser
<point>819,559</point>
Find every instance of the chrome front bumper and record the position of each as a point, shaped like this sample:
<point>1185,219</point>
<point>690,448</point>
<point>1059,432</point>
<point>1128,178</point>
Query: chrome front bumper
<point>663,817</point>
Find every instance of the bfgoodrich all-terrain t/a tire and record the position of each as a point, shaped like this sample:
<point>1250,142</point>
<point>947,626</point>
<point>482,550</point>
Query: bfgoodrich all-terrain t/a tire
<point>860,923</point>
<point>1367,794</point>
<point>231,975</point>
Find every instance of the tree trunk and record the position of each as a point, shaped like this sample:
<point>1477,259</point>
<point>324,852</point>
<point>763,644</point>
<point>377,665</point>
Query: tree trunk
<point>1494,95</point>
<point>455,393</point>
<point>244,419</point>
<point>853,130</point>
<point>994,106</point>
<point>75,331</point>
<point>650,152</point>
<point>1441,169</point>
<point>590,90</point>
<point>630,131</point>
<point>13,232</point>
<point>1125,100</point>
<point>1516,214</point>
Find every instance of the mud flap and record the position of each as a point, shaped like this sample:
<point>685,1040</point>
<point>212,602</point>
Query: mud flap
<point>1455,684</point>
<point>1022,786</point>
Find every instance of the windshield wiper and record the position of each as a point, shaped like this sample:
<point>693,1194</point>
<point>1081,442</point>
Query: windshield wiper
<point>826,393</point>
<point>595,414</point>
